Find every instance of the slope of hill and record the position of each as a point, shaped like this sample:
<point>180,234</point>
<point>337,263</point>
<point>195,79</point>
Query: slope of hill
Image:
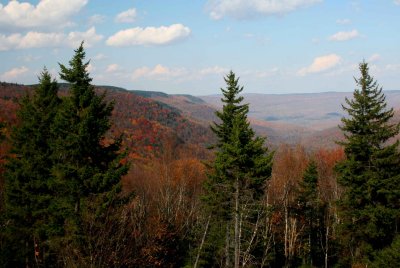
<point>204,113</point>
<point>146,124</point>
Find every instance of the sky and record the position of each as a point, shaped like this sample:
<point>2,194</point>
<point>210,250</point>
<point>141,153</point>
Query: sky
<point>188,46</point>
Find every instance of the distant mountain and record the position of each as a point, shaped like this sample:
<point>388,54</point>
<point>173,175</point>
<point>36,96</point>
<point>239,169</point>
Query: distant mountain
<point>317,111</point>
<point>203,113</point>
<point>310,119</point>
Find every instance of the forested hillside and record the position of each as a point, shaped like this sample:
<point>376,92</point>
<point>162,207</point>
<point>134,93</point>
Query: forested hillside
<point>98,176</point>
<point>145,124</point>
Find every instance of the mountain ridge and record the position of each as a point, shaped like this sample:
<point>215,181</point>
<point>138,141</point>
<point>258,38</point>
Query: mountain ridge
<point>310,119</point>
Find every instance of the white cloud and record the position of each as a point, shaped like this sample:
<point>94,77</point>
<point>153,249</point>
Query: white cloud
<point>397,2</point>
<point>348,69</point>
<point>374,58</point>
<point>344,36</point>
<point>127,16</point>
<point>268,73</point>
<point>100,56</point>
<point>90,68</point>
<point>47,13</point>
<point>96,19</point>
<point>38,39</point>
<point>149,36</point>
<point>393,67</point>
<point>112,68</point>
<point>13,74</point>
<point>90,37</point>
<point>178,74</point>
<point>35,40</point>
<point>158,72</point>
<point>343,21</point>
<point>213,70</point>
<point>30,40</point>
<point>321,64</point>
<point>28,58</point>
<point>247,9</point>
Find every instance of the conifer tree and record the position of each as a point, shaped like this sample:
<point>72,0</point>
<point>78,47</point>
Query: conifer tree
<point>310,211</point>
<point>87,168</point>
<point>239,173</point>
<point>28,177</point>
<point>370,205</point>
<point>2,126</point>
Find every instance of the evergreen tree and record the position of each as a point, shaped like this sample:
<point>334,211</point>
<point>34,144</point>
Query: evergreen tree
<point>28,177</point>
<point>389,256</point>
<point>2,126</point>
<point>370,205</point>
<point>235,185</point>
<point>311,213</point>
<point>88,167</point>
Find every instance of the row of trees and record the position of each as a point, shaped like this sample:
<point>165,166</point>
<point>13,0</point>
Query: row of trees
<point>360,225</point>
<point>246,207</point>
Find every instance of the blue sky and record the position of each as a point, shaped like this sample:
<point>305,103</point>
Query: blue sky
<point>182,46</point>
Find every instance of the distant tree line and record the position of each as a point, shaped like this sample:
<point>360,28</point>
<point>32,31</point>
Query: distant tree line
<point>69,199</point>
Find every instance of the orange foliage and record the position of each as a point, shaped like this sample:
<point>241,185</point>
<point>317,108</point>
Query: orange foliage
<point>167,192</point>
<point>288,168</point>
<point>327,181</point>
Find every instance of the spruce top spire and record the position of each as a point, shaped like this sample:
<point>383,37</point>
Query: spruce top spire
<point>368,114</point>
<point>78,68</point>
<point>232,89</point>
<point>231,109</point>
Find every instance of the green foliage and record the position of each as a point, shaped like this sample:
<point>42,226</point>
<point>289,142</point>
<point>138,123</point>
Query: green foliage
<point>370,174</point>
<point>241,158</point>
<point>311,211</point>
<point>63,175</point>
<point>28,175</point>
<point>234,133</point>
<point>389,256</point>
<point>87,165</point>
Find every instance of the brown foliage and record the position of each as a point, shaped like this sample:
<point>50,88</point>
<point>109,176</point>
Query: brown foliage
<point>166,206</point>
<point>288,168</point>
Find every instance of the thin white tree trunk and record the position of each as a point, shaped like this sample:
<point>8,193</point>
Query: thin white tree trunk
<point>286,242</point>
<point>227,246</point>
<point>237,238</point>
<point>202,243</point>
<point>246,255</point>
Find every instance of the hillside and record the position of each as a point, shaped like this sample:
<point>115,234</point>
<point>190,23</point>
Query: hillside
<point>197,109</point>
<point>145,124</point>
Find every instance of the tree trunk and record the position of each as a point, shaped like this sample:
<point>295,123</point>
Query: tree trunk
<point>227,245</point>
<point>326,245</point>
<point>202,242</point>
<point>286,242</point>
<point>237,238</point>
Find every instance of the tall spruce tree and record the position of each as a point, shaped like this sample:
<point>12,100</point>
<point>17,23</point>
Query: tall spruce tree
<point>87,169</point>
<point>28,178</point>
<point>370,175</point>
<point>311,213</point>
<point>236,183</point>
